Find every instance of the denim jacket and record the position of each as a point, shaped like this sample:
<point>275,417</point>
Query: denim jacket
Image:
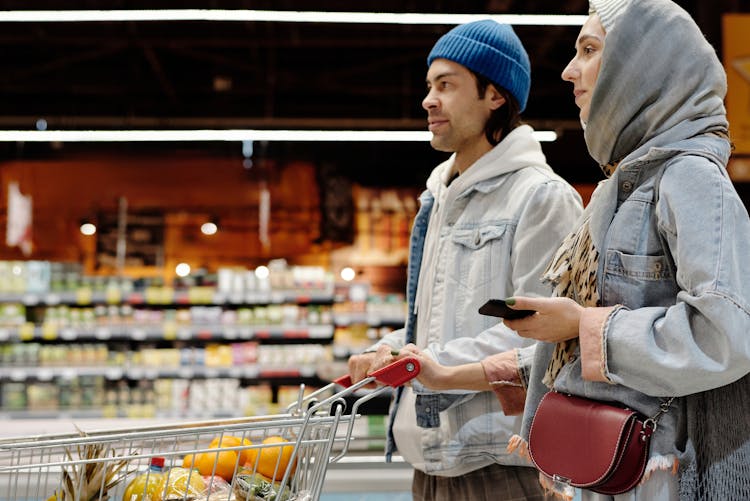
<point>492,235</point>
<point>675,333</point>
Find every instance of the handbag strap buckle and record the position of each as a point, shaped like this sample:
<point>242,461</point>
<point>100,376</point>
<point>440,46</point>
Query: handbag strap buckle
<point>648,428</point>
<point>649,425</point>
<point>561,479</point>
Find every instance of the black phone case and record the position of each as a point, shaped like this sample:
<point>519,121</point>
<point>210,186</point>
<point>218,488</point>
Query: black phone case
<point>498,308</point>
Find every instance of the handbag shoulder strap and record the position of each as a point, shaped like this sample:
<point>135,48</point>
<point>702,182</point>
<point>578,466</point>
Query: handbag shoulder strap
<point>653,421</point>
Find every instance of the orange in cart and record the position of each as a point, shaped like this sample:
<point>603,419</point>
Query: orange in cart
<point>272,461</point>
<point>223,462</point>
<point>232,441</point>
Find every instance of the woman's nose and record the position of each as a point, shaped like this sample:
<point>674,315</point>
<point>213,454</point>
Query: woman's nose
<point>570,72</point>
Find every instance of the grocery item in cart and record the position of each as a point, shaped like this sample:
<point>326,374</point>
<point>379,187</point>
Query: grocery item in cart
<point>181,483</point>
<point>145,487</point>
<point>272,461</point>
<point>313,433</point>
<point>249,487</point>
<point>222,463</point>
<point>86,477</point>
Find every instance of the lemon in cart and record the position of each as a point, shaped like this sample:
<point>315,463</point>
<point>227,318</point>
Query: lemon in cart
<point>181,483</point>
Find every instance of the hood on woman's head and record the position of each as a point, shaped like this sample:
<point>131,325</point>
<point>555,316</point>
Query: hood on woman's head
<point>608,10</point>
<point>648,92</point>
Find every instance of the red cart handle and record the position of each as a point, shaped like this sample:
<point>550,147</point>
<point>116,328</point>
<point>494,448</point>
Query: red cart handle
<point>393,375</point>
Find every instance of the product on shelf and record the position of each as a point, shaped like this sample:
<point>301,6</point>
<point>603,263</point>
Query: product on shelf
<point>80,346</point>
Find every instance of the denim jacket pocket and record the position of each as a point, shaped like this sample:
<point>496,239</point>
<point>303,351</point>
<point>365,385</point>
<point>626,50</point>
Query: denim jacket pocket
<point>637,280</point>
<point>477,253</point>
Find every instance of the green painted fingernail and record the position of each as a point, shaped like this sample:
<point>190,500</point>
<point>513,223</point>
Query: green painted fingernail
<point>394,352</point>
<point>511,301</point>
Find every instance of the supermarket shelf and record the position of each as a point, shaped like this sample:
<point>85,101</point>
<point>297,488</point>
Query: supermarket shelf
<point>109,415</point>
<point>371,319</point>
<point>165,331</point>
<point>163,296</point>
<point>248,371</point>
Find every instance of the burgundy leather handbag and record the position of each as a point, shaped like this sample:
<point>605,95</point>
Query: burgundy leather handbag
<point>590,444</point>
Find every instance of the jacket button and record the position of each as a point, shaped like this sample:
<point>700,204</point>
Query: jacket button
<point>427,409</point>
<point>657,266</point>
<point>627,186</point>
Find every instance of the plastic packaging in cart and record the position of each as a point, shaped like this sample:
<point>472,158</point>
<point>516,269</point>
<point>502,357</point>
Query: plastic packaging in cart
<point>146,486</point>
<point>181,483</point>
<point>219,489</point>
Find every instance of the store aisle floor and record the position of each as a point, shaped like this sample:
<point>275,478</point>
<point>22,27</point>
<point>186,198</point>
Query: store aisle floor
<point>383,496</point>
<point>366,496</point>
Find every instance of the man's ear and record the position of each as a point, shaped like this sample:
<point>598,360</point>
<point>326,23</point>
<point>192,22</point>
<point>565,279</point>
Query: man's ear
<point>496,99</point>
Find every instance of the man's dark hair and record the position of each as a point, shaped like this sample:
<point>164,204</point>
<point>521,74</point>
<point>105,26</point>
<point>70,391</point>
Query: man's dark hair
<point>502,120</point>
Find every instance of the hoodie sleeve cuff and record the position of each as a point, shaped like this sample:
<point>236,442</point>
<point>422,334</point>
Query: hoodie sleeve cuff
<point>593,349</point>
<point>502,373</point>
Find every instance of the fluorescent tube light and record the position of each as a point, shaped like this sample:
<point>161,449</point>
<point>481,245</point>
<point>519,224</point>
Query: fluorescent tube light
<point>69,136</point>
<point>62,16</point>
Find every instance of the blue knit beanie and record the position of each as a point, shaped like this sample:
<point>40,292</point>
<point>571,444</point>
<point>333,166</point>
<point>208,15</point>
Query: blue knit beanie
<point>492,50</point>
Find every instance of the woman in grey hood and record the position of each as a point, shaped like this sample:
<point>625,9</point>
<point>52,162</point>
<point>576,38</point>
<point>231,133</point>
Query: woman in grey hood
<point>653,289</point>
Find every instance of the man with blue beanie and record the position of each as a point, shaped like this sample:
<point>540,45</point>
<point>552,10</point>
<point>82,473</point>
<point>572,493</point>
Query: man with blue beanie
<point>491,217</point>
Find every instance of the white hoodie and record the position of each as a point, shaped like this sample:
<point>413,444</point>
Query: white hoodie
<point>491,234</point>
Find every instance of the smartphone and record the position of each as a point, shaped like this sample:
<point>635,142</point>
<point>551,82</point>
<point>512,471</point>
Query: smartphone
<point>498,308</point>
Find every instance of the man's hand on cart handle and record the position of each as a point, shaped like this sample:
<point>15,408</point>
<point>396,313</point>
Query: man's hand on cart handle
<point>364,364</point>
<point>394,374</point>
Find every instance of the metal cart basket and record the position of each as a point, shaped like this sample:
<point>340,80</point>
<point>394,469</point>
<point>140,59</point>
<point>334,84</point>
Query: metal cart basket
<point>281,457</point>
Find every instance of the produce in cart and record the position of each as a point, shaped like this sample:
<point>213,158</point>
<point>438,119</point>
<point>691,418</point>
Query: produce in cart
<point>222,463</point>
<point>91,475</point>
<point>272,461</point>
<point>249,487</point>
<point>181,483</point>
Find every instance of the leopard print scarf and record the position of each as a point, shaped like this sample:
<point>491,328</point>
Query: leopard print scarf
<point>572,272</point>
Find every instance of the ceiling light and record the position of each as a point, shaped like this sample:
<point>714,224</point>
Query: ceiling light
<point>88,229</point>
<point>262,272</point>
<point>348,274</point>
<point>290,16</point>
<point>209,228</point>
<point>182,270</point>
<point>71,136</point>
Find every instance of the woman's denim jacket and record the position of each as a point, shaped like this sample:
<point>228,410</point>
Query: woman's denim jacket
<point>676,246</point>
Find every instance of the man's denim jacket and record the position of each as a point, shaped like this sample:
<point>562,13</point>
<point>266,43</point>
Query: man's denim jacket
<point>498,237</point>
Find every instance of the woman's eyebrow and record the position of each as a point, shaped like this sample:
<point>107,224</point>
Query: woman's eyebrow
<point>583,38</point>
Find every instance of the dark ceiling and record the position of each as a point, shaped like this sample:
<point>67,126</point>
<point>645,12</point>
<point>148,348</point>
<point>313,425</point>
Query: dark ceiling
<point>277,75</point>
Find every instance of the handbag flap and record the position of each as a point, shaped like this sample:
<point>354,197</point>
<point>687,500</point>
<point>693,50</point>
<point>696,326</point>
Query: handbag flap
<point>578,439</point>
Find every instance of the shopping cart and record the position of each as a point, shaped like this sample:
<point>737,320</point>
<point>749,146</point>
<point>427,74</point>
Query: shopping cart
<point>282,457</point>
